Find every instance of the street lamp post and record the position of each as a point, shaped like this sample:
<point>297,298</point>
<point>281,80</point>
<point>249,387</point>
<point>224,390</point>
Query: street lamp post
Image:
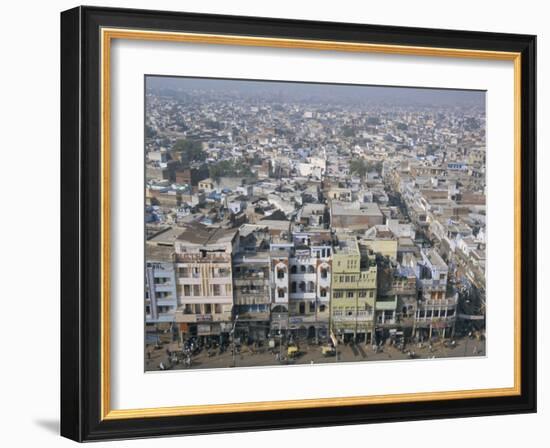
<point>232,334</point>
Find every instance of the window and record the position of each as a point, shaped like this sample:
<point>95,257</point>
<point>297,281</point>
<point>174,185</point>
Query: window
<point>293,269</point>
<point>196,290</point>
<point>323,292</point>
<point>216,290</point>
<point>293,287</point>
<point>371,294</point>
<point>302,269</point>
<point>311,307</point>
<point>324,273</point>
<point>350,294</point>
<point>218,308</point>
<point>337,294</point>
<point>322,308</point>
<point>281,293</point>
<point>310,269</point>
<point>207,308</point>
<point>281,273</point>
<point>310,287</point>
<point>302,308</point>
<point>362,293</point>
<point>188,309</point>
<point>302,286</point>
<point>186,290</point>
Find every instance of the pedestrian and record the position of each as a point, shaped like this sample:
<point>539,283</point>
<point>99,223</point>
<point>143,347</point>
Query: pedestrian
<point>161,366</point>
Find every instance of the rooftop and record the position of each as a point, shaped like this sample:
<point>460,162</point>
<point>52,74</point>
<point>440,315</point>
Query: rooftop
<point>365,209</point>
<point>196,233</point>
<point>158,253</point>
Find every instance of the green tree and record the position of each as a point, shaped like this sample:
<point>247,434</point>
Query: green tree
<point>348,131</point>
<point>359,167</point>
<point>230,168</point>
<point>191,151</point>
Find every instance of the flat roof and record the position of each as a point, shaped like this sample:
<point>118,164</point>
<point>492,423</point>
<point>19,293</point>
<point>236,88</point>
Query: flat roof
<point>166,236</point>
<point>365,209</point>
<point>155,252</point>
<point>197,233</point>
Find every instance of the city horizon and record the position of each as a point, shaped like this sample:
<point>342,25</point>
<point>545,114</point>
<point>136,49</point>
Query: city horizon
<point>306,223</point>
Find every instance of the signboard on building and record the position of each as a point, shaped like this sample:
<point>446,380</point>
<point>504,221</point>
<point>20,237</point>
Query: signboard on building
<point>203,329</point>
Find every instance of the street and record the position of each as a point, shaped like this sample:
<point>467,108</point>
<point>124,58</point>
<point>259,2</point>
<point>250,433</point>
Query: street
<point>310,354</point>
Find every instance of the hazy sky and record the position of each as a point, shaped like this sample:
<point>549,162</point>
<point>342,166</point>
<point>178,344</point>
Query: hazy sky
<point>321,92</point>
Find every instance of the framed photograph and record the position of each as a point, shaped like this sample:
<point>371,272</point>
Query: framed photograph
<point>276,224</point>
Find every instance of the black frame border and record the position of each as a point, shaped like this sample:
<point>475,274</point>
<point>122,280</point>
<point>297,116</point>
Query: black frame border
<point>81,223</point>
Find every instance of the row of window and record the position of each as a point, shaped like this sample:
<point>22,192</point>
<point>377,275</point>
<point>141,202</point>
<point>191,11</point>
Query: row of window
<point>351,294</point>
<point>353,278</point>
<point>196,273</point>
<point>160,309</point>
<point>196,290</point>
<point>309,269</point>
<point>305,287</point>
<point>310,306</point>
<point>435,313</point>
<point>202,308</point>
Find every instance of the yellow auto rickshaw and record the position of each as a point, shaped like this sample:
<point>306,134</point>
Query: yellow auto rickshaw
<point>292,351</point>
<point>328,350</point>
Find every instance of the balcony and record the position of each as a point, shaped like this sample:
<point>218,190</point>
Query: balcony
<point>448,302</point>
<point>167,301</point>
<point>252,298</point>
<point>189,280</point>
<point>246,281</point>
<point>254,275</point>
<point>386,305</point>
<point>165,286</point>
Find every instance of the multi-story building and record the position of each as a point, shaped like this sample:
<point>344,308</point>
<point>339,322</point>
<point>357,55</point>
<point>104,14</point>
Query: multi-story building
<point>160,285</point>
<point>436,312</point>
<point>353,290</point>
<point>252,295</point>
<point>280,252</point>
<point>310,280</point>
<point>203,262</point>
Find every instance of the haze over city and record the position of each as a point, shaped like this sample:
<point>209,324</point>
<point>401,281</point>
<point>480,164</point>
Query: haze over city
<point>303,223</point>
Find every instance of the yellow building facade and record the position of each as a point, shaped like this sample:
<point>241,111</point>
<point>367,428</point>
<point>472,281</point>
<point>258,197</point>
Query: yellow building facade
<point>353,291</point>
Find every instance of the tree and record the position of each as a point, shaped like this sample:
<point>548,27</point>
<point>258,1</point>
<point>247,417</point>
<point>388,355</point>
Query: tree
<point>348,131</point>
<point>359,167</point>
<point>230,168</point>
<point>191,151</point>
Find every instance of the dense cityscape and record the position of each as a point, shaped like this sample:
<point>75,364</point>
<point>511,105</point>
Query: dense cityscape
<point>293,223</point>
